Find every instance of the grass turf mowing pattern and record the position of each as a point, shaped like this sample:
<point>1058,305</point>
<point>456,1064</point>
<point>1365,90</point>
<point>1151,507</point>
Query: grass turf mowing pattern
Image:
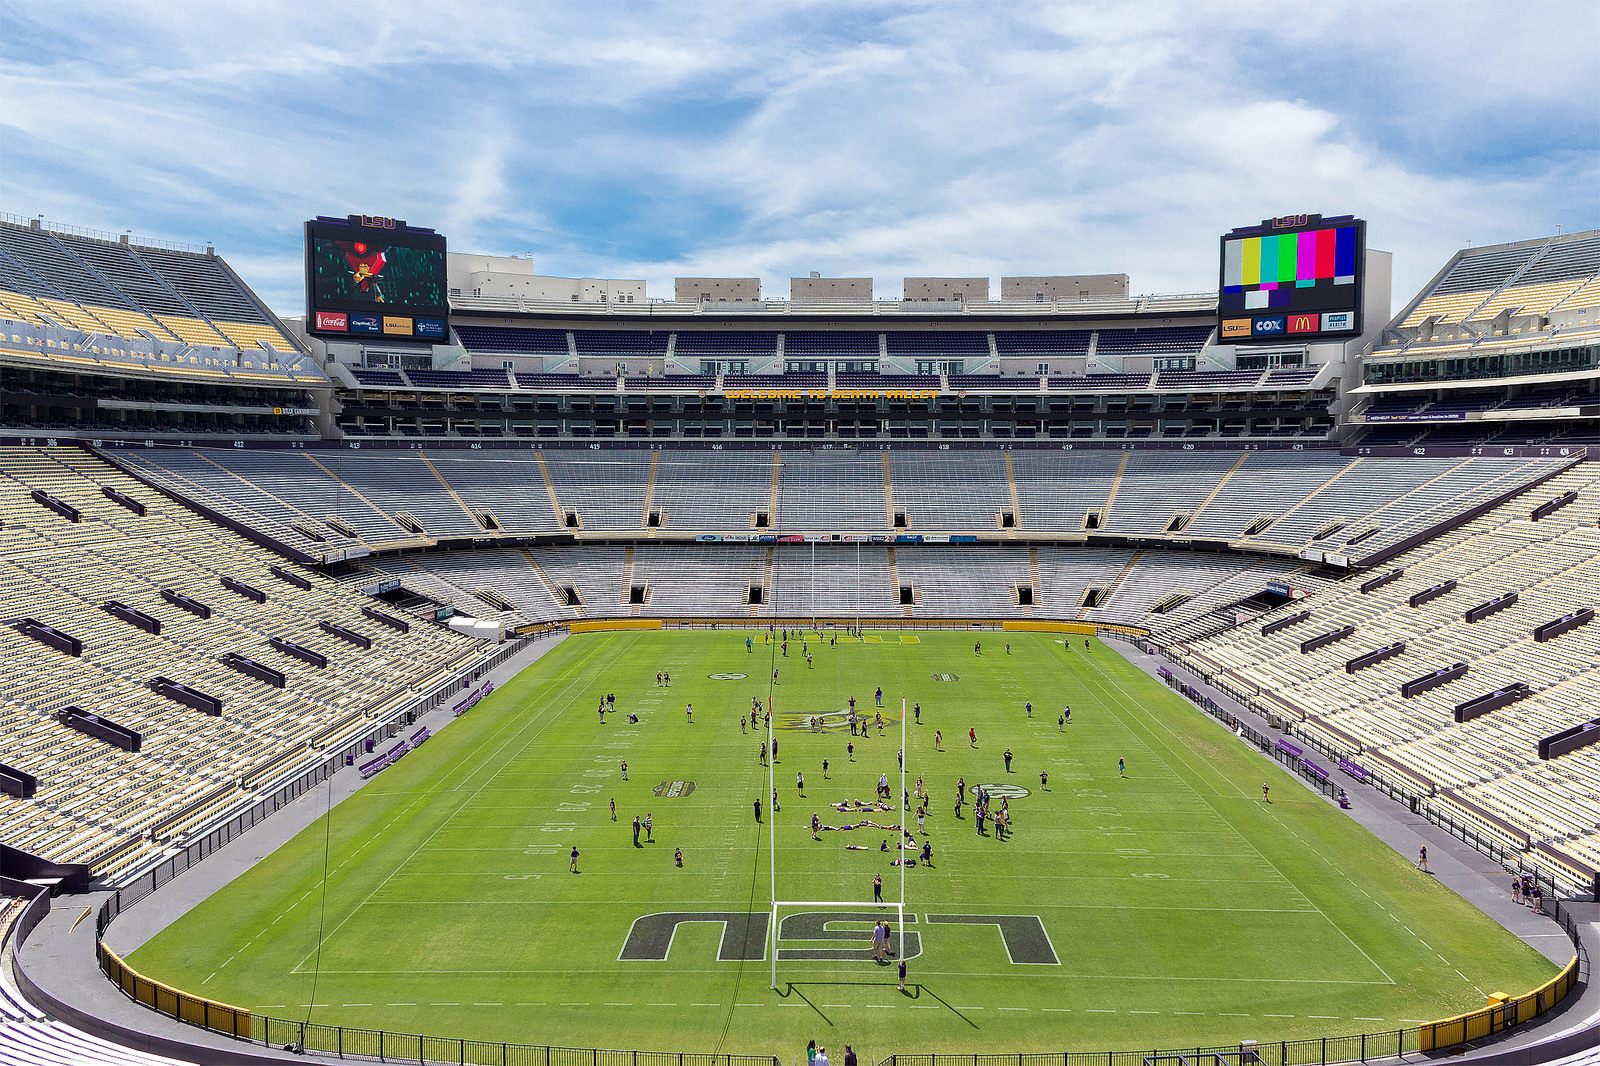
<point>1184,909</point>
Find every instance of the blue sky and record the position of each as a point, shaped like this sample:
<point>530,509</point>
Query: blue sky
<point>652,140</point>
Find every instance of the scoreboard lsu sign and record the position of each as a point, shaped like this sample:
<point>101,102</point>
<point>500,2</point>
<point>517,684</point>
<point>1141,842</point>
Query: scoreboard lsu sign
<point>1294,278</point>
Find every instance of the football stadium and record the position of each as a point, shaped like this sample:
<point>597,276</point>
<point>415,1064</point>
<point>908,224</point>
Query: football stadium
<point>463,664</point>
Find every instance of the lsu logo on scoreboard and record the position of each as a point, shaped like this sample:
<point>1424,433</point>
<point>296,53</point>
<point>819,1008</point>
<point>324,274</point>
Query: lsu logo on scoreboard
<point>1235,327</point>
<point>1290,221</point>
<point>1307,323</point>
<point>378,222</point>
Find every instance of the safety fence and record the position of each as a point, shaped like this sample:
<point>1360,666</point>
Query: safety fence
<point>173,1002</point>
<point>1316,1051</point>
<point>1498,1017</point>
<point>831,622</point>
<point>349,1042</point>
<point>147,877</point>
<point>1497,847</point>
<point>384,1046</point>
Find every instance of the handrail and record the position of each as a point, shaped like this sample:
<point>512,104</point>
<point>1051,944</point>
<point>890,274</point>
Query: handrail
<point>102,235</point>
<point>1154,304</point>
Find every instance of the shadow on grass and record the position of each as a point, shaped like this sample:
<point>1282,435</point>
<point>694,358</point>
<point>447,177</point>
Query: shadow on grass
<point>913,991</point>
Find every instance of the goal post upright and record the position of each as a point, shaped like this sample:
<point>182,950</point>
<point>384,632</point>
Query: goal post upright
<point>772,827</point>
<point>905,814</point>
<point>777,902</point>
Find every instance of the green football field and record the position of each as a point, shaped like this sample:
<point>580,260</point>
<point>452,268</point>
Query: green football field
<point>1170,907</point>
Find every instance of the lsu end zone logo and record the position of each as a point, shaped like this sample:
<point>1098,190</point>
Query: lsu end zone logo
<point>833,935</point>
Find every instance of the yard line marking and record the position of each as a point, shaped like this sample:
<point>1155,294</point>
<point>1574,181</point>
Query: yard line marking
<point>544,724</point>
<point>1268,980</point>
<point>1025,1008</point>
<point>546,903</point>
<point>1118,695</point>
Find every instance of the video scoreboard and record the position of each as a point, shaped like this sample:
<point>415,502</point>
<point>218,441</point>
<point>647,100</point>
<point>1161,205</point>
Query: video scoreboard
<point>1293,278</point>
<point>373,277</point>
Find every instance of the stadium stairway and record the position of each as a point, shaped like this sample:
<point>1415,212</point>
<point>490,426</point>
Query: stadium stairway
<point>86,1019</point>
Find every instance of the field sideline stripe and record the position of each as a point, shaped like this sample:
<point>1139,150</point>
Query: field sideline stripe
<point>509,721</point>
<point>657,972</point>
<point>616,899</point>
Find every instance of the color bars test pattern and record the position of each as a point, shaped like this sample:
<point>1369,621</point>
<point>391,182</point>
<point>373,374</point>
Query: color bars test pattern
<point>1266,268</point>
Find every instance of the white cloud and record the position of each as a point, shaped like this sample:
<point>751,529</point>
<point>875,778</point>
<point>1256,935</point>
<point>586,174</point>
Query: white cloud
<point>773,139</point>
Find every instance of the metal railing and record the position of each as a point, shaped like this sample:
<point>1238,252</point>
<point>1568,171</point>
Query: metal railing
<point>1316,1050</point>
<point>1166,302</point>
<point>1419,800</point>
<point>351,1042</point>
<point>102,235</point>
<point>382,1045</point>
